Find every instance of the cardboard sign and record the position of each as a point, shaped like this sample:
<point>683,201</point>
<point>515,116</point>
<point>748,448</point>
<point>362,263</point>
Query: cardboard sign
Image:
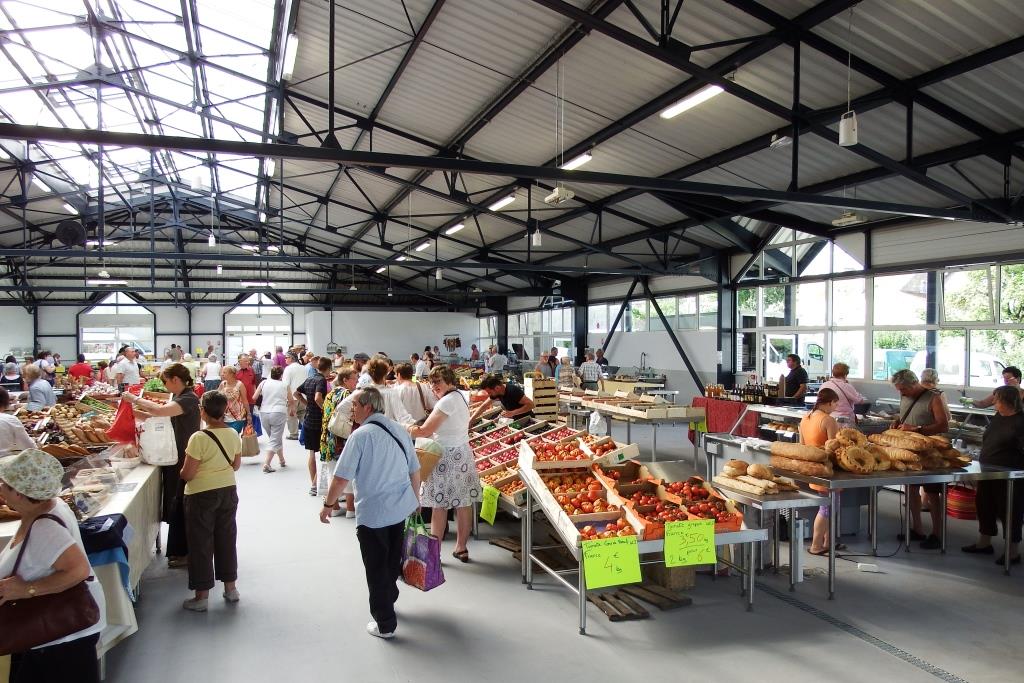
<point>611,561</point>
<point>690,542</point>
<point>489,506</point>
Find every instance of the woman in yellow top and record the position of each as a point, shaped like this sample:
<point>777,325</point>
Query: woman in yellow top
<point>817,427</point>
<point>213,455</point>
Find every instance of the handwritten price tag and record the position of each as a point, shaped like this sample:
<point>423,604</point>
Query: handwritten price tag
<point>690,542</point>
<point>611,561</point>
<point>489,506</point>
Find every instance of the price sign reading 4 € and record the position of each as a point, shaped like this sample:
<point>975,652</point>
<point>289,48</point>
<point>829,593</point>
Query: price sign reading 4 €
<point>489,506</point>
<point>611,561</point>
<point>690,542</point>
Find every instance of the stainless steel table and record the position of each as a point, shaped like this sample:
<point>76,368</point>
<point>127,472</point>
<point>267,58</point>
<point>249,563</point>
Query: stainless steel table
<point>745,537</point>
<point>654,423</point>
<point>719,445</point>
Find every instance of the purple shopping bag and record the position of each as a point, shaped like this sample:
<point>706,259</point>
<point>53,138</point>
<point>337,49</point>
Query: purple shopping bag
<point>421,556</point>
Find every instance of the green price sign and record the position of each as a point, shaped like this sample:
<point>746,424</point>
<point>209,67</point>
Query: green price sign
<point>611,561</point>
<point>489,506</point>
<point>690,542</point>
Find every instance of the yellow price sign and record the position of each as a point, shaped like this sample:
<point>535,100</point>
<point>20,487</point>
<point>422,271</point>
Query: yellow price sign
<point>489,506</point>
<point>611,561</point>
<point>690,542</point>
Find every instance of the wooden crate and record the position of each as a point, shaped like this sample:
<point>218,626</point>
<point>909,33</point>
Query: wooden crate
<point>672,578</point>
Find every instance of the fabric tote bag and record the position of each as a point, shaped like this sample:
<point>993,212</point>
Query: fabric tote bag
<point>421,556</point>
<point>250,443</point>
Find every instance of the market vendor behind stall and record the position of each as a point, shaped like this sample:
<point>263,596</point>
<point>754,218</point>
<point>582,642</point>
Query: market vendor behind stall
<point>513,398</point>
<point>795,382</point>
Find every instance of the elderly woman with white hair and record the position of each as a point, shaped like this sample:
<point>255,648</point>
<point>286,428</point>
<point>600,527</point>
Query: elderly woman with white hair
<point>46,557</point>
<point>40,392</point>
<point>930,380</point>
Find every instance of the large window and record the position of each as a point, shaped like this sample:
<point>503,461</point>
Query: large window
<point>258,323</point>
<point>116,321</point>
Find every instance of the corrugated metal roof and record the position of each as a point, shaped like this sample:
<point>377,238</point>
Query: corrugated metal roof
<point>989,95</point>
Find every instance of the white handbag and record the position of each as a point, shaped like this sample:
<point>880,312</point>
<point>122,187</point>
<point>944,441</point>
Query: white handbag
<point>339,425</point>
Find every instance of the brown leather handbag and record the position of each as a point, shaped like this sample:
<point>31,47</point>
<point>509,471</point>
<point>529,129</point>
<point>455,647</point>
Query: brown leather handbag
<point>31,622</point>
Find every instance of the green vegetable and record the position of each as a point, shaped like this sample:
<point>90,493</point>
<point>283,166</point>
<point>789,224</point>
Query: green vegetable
<point>155,385</point>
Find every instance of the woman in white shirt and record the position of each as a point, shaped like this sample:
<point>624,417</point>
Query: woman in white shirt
<point>40,393</point>
<point>52,560</point>
<point>454,483</point>
<point>211,374</point>
<point>417,398</point>
<point>13,437</point>
<point>274,414</point>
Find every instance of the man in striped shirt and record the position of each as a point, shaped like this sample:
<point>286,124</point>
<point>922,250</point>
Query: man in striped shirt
<point>590,373</point>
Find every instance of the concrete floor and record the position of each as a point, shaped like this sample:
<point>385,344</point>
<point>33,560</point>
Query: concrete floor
<point>303,612</point>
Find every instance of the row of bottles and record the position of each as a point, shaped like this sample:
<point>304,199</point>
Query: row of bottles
<point>748,393</point>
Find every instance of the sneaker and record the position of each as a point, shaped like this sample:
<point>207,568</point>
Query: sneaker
<point>931,543</point>
<point>338,513</point>
<point>232,595</point>
<point>371,628</point>
<point>350,514</point>
<point>195,604</point>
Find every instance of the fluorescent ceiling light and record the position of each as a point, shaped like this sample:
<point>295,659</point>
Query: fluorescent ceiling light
<point>101,283</point>
<point>40,184</point>
<point>425,245</point>
<point>402,258</point>
<point>576,162</point>
<point>291,48</point>
<point>502,203</point>
<point>381,269</point>
<point>691,101</point>
<point>96,243</point>
<point>70,209</point>
<point>212,240</point>
<point>455,228</point>
<point>260,283</point>
<point>250,247</point>
<point>273,247</point>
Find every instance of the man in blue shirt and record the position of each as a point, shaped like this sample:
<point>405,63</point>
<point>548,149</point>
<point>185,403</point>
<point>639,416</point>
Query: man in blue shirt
<point>380,458</point>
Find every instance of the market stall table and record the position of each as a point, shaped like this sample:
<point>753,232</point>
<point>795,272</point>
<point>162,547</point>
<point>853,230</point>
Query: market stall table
<point>786,500</point>
<point>535,493</point>
<point>724,446</point>
<point>138,499</point>
<point>692,421</point>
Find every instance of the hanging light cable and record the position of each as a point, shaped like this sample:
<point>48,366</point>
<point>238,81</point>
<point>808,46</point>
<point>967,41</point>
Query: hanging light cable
<point>848,121</point>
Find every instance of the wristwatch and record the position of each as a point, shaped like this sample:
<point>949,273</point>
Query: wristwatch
<point>31,591</point>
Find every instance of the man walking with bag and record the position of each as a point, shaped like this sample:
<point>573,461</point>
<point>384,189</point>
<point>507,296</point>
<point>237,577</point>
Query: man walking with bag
<point>380,458</point>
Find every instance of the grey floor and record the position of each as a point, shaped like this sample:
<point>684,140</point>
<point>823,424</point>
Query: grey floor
<point>303,612</point>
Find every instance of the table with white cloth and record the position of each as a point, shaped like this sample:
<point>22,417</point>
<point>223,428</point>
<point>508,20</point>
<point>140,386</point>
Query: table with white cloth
<point>139,502</point>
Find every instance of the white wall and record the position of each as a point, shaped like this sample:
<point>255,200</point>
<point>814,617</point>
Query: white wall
<point>397,334</point>
<point>16,330</point>
<point>619,288</point>
<point>943,240</point>
<point>701,347</point>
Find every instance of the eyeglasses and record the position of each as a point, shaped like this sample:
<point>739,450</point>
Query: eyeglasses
<point>435,382</point>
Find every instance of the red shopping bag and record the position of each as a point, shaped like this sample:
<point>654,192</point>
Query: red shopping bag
<point>123,427</point>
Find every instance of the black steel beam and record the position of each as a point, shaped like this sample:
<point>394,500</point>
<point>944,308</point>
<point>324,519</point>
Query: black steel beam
<point>473,167</point>
<point>672,336</point>
<point>618,316</point>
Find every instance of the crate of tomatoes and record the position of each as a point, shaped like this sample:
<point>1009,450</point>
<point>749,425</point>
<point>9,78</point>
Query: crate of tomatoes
<point>701,501</point>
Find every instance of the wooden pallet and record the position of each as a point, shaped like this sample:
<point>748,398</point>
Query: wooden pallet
<point>660,597</point>
<point>618,606</point>
<point>509,543</point>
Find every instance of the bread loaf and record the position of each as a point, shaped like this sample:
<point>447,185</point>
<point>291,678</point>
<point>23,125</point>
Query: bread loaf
<point>900,442</point>
<point>731,483</point>
<point>811,469</point>
<point>797,451</point>
<point>735,468</point>
<point>832,445</point>
<point>760,472</point>
<point>851,434</point>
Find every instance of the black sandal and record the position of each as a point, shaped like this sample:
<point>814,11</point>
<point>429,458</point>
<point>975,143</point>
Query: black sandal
<point>461,555</point>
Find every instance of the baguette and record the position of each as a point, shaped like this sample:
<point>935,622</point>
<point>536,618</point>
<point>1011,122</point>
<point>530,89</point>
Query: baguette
<point>811,469</point>
<point>899,442</point>
<point>901,454</point>
<point>739,485</point>
<point>756,481</point>
<point>795,451</point>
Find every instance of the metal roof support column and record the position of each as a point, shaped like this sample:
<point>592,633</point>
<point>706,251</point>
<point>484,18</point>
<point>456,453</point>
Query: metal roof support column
<point>726,369</point>
<point>931,336</point>
<point>794,178</point>
<point>577,290</point>
<point>618,316</point>
<point>499,304</point>
<point>675,341</point>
